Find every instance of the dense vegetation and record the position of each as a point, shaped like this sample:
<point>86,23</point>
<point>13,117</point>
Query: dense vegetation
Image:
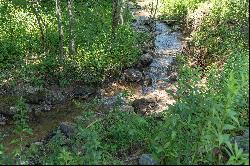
<point>212,96</point>
<point>23,57</point>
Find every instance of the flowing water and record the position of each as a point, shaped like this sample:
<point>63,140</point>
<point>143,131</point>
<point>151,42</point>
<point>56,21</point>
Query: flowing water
<point>166,45</point>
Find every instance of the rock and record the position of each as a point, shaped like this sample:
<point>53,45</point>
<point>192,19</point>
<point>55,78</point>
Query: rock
<point>146,60</point>
<point>67,129</point>
<point>147,159</point>
<point>55,97</point>
<point>107,103</point>
<point>246,133</point>
<point>35,97</point>
<point>144,105</point>
<point>38,143</point>
<point>176,28</point>
<point>242,141</point>
<point>147,80</point>
<point>3,120</point>
<point>84,92</point>
<point>133,75</point>
<point>38,108</point>
<point>173,77</point>
<point>7,104</point>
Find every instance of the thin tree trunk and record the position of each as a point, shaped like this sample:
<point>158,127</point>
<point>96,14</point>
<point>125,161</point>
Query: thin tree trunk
<point>34,5</point>
<point>117,15</point>
<point>121,12</point>
<point>72,47</point>
<point>114,17</point>
<point>156,7</point>
<point>60,30</point>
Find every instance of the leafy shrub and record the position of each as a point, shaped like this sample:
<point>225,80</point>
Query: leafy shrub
<point>178,9</point>
<point>212,106</point>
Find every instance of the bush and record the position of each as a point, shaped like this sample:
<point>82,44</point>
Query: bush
<point>212,100</point>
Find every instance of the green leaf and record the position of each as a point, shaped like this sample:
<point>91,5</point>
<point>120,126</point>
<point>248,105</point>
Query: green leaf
<point>228,127</point>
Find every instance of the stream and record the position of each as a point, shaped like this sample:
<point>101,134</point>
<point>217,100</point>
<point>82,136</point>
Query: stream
<point>166,45</point>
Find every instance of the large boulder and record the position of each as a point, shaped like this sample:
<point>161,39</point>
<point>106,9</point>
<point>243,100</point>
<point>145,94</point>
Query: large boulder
<point>133,75</point>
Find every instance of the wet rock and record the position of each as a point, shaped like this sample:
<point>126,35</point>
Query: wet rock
<point>107,103</point>
<point>242,141</point>
<point>67,129</point>
<point>84,92</point>
<point>3,120</point>
<point>147,159</point>
<point>161,27</point>
<point>146,60</point>
<point>144,105</point>
<point>7,104</point>
<point>133,75</point>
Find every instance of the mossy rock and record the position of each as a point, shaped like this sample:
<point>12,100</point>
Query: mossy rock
<point>6,102</point>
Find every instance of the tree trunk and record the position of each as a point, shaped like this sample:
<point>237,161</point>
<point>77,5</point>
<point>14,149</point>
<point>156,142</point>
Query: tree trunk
<point>60,30</point>
<point>72,47</point>
<point>117,15</point>
<point>156,7</point>
<point>121,12</point>
<point>34,5</point>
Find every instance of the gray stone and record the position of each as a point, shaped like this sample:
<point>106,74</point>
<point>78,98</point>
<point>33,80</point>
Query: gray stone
<point>107,103</point>
<point>146,60</point>
<point>147,159</point>
<point>3,120</point>
<point>133,75</point>
<point>84,92</point>
<point>67,129</point>
<point>38,143</point>
<point>147,80</point>
<point>173,77</point>
<point>246,133</point>
<point>242,141</point>
<point>55,97</point>
<point>38,108</point>
<point>144,105</point>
